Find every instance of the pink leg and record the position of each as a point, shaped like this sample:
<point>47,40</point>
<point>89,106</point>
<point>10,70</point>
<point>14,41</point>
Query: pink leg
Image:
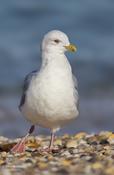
<point>20,146</point>
<point>51,141</point>
<point>50,147</point>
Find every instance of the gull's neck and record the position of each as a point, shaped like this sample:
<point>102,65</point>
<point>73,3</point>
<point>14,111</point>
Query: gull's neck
<point>51,58</point>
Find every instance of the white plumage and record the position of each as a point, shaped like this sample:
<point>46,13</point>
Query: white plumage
<point>51,98</point>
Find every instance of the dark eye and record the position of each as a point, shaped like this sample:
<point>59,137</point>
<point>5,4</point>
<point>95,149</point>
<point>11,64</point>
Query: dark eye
<point>56,41</point>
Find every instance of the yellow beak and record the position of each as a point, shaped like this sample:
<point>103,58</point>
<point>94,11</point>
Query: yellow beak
<point>71,48</point>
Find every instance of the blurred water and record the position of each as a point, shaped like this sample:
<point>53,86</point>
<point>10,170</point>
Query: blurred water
<point>89,24</point>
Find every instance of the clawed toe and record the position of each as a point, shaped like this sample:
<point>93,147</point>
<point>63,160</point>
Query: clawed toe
<point>49,150</point>
<point>18,148</point>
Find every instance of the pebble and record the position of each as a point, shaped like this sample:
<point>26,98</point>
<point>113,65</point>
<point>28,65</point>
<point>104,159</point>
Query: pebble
<point>110,171</point>
<point>81,154</point>
<point>65,162</point>
<point>58,142</point>
<point>71,144</point>
<point>42,165</point>
<point>111,139</point>
<point>3,154</point>
<point>97,165</point>
<point>80,135</point>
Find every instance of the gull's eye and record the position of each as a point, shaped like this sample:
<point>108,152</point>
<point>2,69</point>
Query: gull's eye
<point>56,41</point>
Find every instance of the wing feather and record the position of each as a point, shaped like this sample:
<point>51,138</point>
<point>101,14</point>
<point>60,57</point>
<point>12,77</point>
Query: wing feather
<point>27,81</point>
<point>76,91</point>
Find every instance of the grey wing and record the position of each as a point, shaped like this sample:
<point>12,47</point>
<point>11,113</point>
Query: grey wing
<point>76,95</point>
<point>27,81</point>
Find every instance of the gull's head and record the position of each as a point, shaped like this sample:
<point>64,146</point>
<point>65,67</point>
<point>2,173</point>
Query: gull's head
<point>57,41</point>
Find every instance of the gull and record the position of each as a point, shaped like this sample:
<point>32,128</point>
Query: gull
<point>50,95</point>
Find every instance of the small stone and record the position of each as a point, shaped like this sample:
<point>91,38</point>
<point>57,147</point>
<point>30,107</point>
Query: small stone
<point>71,144</point>
<point>3,154</point>
<point>28,154</point>
<point>111,139</point>
<point>65,162</point>
<point>50,157</point>
<point>104,142</point>
<point>65,136</point>
<point>80,135</point>
<point>63,171</point>
<point>42,165</point>
<point>106,134</point>
<point>109,171</point>
<point>58,142</point>
<point>65,153</point>
<point>74,151</point>
<point>3,139</point>
<point>2,162</point>
<point>97,165</point>
<point>54,169</point>
<point>6,146</point>
<point>93,140</point>
<point>82,142</point>
<point>32,143</point>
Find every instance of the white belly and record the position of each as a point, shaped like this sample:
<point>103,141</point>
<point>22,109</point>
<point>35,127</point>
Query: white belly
<point>50,101</point>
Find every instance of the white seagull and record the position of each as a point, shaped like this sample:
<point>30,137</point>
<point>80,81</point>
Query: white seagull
<point>50,96</point>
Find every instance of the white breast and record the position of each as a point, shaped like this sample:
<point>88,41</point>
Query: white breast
<point>50,100</point>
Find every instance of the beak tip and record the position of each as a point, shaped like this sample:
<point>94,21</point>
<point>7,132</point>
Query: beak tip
<point>71,48</point>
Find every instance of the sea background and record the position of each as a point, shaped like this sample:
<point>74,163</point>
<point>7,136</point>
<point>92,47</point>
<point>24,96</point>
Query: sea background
<point>90,25</point>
